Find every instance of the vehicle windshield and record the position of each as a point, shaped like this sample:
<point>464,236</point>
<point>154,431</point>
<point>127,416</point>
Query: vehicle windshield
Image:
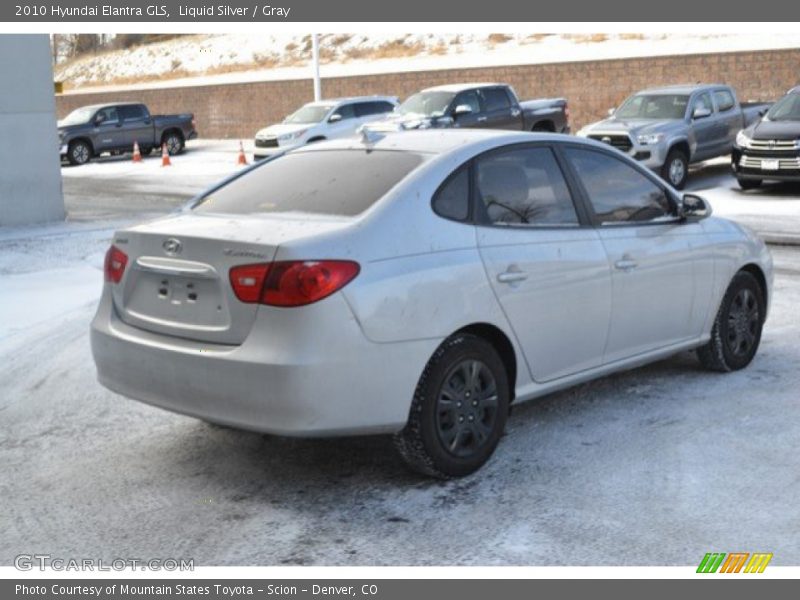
<point>345,183</point>
<point>429,104</point>
<point>785,109</point>
<point>78,116</point>
<point>310,113</point>
<point>653,106</point>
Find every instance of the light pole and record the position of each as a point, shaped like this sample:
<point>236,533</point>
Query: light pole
<point>315,61</point>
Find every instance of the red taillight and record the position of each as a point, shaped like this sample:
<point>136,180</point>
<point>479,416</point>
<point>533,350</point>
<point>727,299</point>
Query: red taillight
<point>291,283</point>
<point>114,266</point>
<point>566,111</point>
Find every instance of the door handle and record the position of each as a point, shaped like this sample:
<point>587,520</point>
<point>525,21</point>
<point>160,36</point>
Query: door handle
<point>626,264</point>
<point>515,112</point>
<point>511,276</point>
<point>481,119</point>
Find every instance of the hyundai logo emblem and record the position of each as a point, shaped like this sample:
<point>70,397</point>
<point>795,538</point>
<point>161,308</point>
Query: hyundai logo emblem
<point>772,144</point>
<point>172,246</point>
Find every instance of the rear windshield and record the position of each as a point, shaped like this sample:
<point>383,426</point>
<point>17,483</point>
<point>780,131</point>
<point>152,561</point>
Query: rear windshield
<point>323,182</point>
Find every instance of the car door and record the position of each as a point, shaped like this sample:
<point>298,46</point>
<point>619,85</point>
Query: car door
<point>546,265</point>
<point>136,126</point>
<point>342,122</point>
<point>730,119</point>
<point>706,129</point>
<point>649,250</point>
<point>500,112</point>
<point>107,131</point>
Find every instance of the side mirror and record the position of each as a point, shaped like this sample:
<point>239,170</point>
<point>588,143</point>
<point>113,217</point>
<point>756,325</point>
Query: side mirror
<point>611,112</point>
<point>335,117</point>
<point>99,119</point>
<point>462,109</point>
<point>694,208</point>
<point>762,112</point>
<point>701,113</point>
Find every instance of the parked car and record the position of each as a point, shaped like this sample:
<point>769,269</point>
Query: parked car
<point>770,148</point>
<point>669,128</point>
<point>91,130</point>
<point>441,276</point>
<point>478,105</point>
<point>323,120</point>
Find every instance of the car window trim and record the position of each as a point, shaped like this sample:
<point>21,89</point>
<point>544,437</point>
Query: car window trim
<point>586,200</point>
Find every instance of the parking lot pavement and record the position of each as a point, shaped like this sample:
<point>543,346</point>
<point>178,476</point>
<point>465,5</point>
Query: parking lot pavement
<point>117,187</point>
<point>654,466</point>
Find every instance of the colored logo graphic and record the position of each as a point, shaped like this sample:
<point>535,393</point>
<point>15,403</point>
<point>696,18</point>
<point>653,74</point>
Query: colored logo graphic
<point>735,562</point>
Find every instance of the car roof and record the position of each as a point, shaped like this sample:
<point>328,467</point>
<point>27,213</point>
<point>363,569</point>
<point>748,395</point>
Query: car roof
<point>460,87</point>
<point>439,141</point>
<point>108,104</point>
<point>335,101</point>
<point>686,88</point>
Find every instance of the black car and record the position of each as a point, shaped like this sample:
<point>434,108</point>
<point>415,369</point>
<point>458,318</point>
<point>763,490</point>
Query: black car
<point>770,148</point>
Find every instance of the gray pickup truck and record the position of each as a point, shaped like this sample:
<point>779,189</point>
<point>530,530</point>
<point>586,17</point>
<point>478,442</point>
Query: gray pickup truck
<point>477,105</point>
<point>669,128</point>
<point>91,130</point>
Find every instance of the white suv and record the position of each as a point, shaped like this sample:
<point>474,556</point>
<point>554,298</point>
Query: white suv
<point>323,120</point>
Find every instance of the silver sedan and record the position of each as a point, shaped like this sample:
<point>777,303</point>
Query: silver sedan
<point>419,284</point>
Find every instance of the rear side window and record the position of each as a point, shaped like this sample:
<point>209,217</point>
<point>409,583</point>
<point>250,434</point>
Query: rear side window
<point>618,192</point>
<point>452,199</point>
<point>131,113</point>
<point>496,99</point>
<point>324,182</point>
<point>724,100</point>
<point>365,109</point>
<point>523,186</point>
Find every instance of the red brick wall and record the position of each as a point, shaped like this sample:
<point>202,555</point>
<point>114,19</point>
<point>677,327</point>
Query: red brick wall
<point>592,87</point>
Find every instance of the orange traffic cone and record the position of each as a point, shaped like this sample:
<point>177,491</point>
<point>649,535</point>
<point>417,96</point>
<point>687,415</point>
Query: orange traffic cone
<point>165,162</point>
<point>137,155</point>
<point>242,160</point>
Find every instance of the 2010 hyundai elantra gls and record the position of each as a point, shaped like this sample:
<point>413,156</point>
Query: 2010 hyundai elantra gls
<point>419,283</point>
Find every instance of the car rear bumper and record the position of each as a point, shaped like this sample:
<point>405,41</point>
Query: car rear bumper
<point>338,384</point>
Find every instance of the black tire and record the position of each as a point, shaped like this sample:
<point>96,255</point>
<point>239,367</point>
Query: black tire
<point>676,168</point>
<point>472,416</point>
<point>79,152</point>
<point>749,184</point>
<point>543,128</point>
<point>737,328</point>
<point>174,142</point>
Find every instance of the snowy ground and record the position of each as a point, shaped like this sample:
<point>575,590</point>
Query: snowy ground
<point>655,466</point>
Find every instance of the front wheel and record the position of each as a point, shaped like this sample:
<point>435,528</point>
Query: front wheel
<point>459,409</point>
<point>736,333</point>
<point>676,169</point>
<point>79,153</point>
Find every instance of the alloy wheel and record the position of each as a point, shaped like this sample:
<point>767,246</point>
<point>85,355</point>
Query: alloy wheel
<point>743,321</point>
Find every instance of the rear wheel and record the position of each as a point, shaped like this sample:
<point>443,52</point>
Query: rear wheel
<point>736,333</point>
<point>676,169</point>
<point>174,142</point>
<point>749,184</point>
<point>79,152</point>
<point>459,409</point>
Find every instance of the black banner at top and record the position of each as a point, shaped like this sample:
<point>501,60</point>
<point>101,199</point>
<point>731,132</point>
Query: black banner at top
<point>41,11</point>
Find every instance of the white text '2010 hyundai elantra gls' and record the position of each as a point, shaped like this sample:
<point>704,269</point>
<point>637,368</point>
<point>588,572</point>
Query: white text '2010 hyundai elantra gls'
<point>418,283</point>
